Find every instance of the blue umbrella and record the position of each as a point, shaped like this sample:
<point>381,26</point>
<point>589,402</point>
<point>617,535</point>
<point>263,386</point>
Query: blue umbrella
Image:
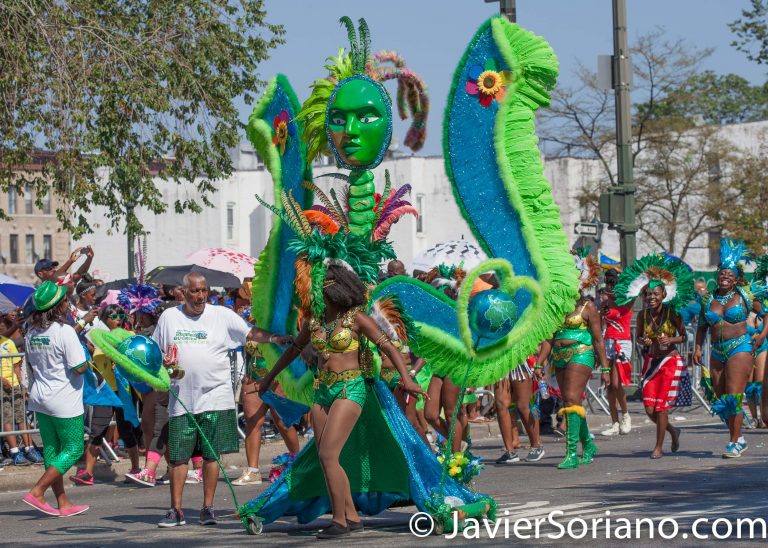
<point>13,293</point>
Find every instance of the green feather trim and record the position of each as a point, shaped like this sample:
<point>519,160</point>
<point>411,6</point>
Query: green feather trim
<point>108,341</point>
<point>660,267</point>
<point>259,132</point>
<point>534,68</point>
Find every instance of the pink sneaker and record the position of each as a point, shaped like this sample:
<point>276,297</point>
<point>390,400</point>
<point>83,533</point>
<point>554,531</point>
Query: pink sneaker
<point>142,477</point>
<point>82,477</point>
<point>44,507</point>
<point>73,510</point>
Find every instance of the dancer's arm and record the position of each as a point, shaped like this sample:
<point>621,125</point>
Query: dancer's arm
<point>288,356</point>
<point>595,327</point>
<point>369,328</point>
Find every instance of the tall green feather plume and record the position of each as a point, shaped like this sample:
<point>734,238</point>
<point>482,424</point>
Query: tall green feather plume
<point>354,49</point>
<point>365,45</point>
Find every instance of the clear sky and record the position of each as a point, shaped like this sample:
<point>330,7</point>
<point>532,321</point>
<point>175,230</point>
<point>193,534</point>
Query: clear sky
<point>432,35</point>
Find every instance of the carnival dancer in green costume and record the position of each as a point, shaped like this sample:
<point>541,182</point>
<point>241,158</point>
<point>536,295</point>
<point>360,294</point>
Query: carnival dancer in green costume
<point>573,350</point>
<point>666,283</point>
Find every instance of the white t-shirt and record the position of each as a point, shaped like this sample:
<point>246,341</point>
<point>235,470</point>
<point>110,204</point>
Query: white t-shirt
<point>203,345</point>
<point>52,354</point>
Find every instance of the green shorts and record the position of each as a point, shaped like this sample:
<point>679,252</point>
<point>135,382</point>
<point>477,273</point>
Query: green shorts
<point>219,427</point>
<point>354,390</point>
<point>573,353</point>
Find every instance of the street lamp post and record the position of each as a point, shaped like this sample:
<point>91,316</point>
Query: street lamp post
<point>507,8</point>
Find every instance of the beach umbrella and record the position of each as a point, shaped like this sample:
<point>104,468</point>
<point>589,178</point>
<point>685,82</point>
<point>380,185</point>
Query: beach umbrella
<point>225,260</point>
<point>450,253</point>
<point>13,293</point>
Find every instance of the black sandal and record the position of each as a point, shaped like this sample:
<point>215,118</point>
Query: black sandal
<point>334,530</point>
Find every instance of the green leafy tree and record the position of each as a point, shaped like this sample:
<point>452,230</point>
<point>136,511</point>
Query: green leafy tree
<point>122,92</point>
<point>751,31</point>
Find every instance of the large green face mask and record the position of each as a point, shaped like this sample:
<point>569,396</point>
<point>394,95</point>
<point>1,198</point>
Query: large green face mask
<point>359,123</point>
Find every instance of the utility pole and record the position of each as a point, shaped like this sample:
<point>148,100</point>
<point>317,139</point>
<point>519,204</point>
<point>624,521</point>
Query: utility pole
<point>626,185</point>
<point>507,8</point>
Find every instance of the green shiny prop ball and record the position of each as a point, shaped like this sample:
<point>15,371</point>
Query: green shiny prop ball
<point>144,353</point>
<point>492,314</point>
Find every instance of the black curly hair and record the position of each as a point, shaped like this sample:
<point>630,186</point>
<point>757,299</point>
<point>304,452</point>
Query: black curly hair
<point>343,288</point>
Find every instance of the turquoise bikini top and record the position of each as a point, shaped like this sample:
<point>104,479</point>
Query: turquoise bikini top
<point>734,314</point>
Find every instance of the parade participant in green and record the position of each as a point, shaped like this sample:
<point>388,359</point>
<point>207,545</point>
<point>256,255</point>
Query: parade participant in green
<point>57,361</point>
<point>573,349</point>
<point>203,336</point>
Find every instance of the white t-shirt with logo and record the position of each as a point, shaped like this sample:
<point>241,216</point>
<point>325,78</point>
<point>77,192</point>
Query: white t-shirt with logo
<point>203,343</point>
<point>52,354</point>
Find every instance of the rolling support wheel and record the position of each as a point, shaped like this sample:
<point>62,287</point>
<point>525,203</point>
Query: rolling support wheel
<point>438,529</point>
<point>254,525</point>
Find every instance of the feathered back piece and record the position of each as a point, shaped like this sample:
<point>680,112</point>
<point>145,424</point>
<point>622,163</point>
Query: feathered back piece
<point>732,252</point>
<point>140,298</point>
<point>653,270</point>
<point>390,316</point>
<point>390,207</point>
<point>588,267</point>
<point>412,97</point>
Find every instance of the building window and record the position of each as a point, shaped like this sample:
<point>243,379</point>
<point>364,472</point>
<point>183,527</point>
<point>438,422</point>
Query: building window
<point>47,203</point>
<point>47,247</point>
<point>28,200</point>
<point>11,201</point>
<point>14,248</point>
<point>230,221</point>
<point>420,209</point>
<point>29,248</point>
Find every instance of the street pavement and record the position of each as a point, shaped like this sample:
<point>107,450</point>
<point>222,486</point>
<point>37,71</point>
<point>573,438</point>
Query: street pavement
<point>622,483</point>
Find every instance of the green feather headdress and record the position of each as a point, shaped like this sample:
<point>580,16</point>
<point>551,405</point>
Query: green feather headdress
<point>674,274</point>
<point>361,254</point>
<point>761,271</point>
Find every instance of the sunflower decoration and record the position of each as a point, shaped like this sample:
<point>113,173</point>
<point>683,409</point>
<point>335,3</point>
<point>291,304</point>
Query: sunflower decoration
<point>283,129</point>
<point>488,82</point>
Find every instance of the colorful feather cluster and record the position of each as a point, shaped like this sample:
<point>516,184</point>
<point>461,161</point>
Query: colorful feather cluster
<point>412,97</point>
<point>389,314</point>
<point>391,209</point>
<point>676,276</point>
<point>732,252</point>
<point>140,298</point>
<point>588,267</point>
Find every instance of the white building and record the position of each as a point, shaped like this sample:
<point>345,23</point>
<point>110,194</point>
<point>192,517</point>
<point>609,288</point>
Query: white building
<point>238,222</point>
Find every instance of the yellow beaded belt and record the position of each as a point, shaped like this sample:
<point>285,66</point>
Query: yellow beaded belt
<point>561,353</point>
<point>329,378</point>
<point>388,374</point>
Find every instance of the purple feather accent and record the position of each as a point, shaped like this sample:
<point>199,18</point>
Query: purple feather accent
<point>140,298</point>
<point>323,209</point>
<point>396,197</point>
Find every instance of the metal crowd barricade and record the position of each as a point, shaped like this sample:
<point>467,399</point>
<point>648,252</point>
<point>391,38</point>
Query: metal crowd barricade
<point>18,424</point>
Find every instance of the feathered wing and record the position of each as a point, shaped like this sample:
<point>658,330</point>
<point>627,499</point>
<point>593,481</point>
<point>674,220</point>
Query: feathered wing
<point>511,211</point>
<point>272,289</point>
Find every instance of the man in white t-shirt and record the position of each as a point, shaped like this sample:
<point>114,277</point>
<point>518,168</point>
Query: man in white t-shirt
<point>203,335</point>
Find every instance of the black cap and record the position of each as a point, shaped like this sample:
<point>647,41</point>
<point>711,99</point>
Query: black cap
<point>45,264</point>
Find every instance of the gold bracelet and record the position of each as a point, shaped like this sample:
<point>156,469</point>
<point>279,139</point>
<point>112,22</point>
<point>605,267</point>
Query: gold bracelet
<point>381,340</point>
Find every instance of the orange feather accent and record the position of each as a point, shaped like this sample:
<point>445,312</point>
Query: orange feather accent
<point>322,221</point>
<point>303,285</point>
